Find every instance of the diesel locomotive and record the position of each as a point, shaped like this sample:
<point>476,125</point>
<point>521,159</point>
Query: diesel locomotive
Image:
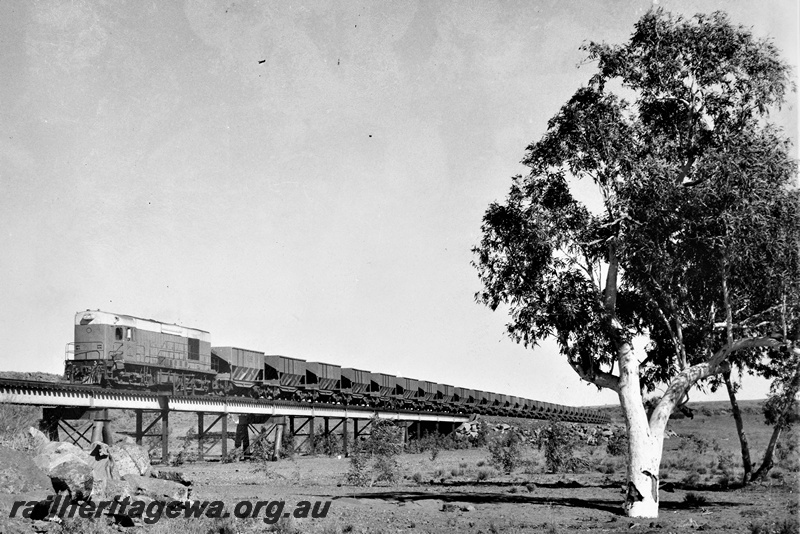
<point>126,352</point>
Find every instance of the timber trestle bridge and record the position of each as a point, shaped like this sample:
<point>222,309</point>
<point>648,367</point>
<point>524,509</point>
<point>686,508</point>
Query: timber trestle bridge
<point>81,413</point>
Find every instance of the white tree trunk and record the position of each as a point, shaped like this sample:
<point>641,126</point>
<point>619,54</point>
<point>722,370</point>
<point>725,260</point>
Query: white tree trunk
<point>644,446</point>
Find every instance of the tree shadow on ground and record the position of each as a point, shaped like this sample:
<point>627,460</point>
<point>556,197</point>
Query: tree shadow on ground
<point>613,506</point>
<point>502,484</point>
<point>604,505</point>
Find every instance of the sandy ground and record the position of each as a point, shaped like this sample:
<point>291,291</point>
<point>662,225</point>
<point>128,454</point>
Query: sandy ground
<point>518,502</point>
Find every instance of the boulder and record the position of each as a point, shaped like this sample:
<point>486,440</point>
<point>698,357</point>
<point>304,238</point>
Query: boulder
<point>74,477</point>
<point>67,466</point>
<point>129,458</point>
<point>54,453</point>
<point>37,438</point>
<point>158,489</point>
<point>101,471</point>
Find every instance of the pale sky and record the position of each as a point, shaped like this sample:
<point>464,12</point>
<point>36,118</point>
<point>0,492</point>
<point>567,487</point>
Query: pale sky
<point>300,178</point>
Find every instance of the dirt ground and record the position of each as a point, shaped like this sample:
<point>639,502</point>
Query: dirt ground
<point>518,502</point>
<point>459,491</point>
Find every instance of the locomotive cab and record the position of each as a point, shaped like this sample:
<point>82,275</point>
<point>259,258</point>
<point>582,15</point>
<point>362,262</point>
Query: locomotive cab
<point>122,350</point>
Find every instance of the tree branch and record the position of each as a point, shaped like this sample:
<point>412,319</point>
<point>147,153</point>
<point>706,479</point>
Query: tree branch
<point>597,377</point>
<point>684,380</point>
<point>610,292</point>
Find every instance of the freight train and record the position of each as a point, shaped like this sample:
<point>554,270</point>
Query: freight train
<point>126,352</point>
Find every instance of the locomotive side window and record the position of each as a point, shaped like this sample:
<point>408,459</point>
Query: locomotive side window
<point>129,334</point>
<point>118,333</point>
<point>194,349</point>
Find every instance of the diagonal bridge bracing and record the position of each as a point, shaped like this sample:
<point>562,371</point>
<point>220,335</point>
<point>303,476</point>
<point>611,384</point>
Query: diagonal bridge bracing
<point>94,403</point>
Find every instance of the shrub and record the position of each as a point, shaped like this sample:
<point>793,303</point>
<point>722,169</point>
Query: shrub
<point>692,479</point>
<point>484,474</point>
<point>609,466</point>
<point>559,444</point>
<point>617,444</point>
<point>328,444</point>
<point>417,477</point>
<point>482,439</point>
<point>184,455</point>
<point>374,459</point>
<point>434,450</point>
<point>530,466</point>
<point>725,462</point>
<point>358,475</point>
<point>287,444</point>
<point>693,500</point>
<point>699,444</point>
<point>505,451</point>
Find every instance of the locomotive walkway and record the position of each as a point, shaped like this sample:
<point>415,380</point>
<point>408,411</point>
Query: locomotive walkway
<point>63,402</point>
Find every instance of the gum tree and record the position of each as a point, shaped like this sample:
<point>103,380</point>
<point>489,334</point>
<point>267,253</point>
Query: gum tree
<point>695,245</point>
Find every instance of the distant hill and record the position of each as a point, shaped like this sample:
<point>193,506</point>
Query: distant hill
<point>37,376</point>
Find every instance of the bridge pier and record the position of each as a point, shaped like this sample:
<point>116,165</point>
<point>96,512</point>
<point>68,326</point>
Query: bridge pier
<point>345,450</point>
<point>164,436</point>
<point>138,427</point>
<point>278,440</point>
<point>311,445</point>
<point>200,452</point>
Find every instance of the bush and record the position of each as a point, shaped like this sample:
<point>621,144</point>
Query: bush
<point>482,439</point>
<point>328,444</point>
<point>693,500</point>
<point>617,444</point>
<point>505,451</point>
<point>184,454</point>
<point>697,443</point>
<point>692,479</point>
<point>484,474</point>
<point>725,463</point>
<point>530,466</point>
<point>374,459</point>
<point>559,444</point>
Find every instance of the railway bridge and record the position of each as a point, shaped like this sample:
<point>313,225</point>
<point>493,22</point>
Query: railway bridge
<point>82,414</point>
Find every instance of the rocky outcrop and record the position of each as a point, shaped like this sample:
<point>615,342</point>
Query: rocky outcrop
<point>104,473</point>
<point>68,467</point>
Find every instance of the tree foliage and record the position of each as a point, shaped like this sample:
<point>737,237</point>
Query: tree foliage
<point>696,241</point>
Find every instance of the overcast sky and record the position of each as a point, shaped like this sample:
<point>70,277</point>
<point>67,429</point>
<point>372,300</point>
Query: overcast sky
<point>301,178</point>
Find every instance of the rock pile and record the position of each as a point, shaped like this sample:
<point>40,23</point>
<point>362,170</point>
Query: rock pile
<point>105,473</point>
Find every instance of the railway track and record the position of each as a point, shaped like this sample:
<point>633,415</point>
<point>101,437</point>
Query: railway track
<point>42,393</point>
